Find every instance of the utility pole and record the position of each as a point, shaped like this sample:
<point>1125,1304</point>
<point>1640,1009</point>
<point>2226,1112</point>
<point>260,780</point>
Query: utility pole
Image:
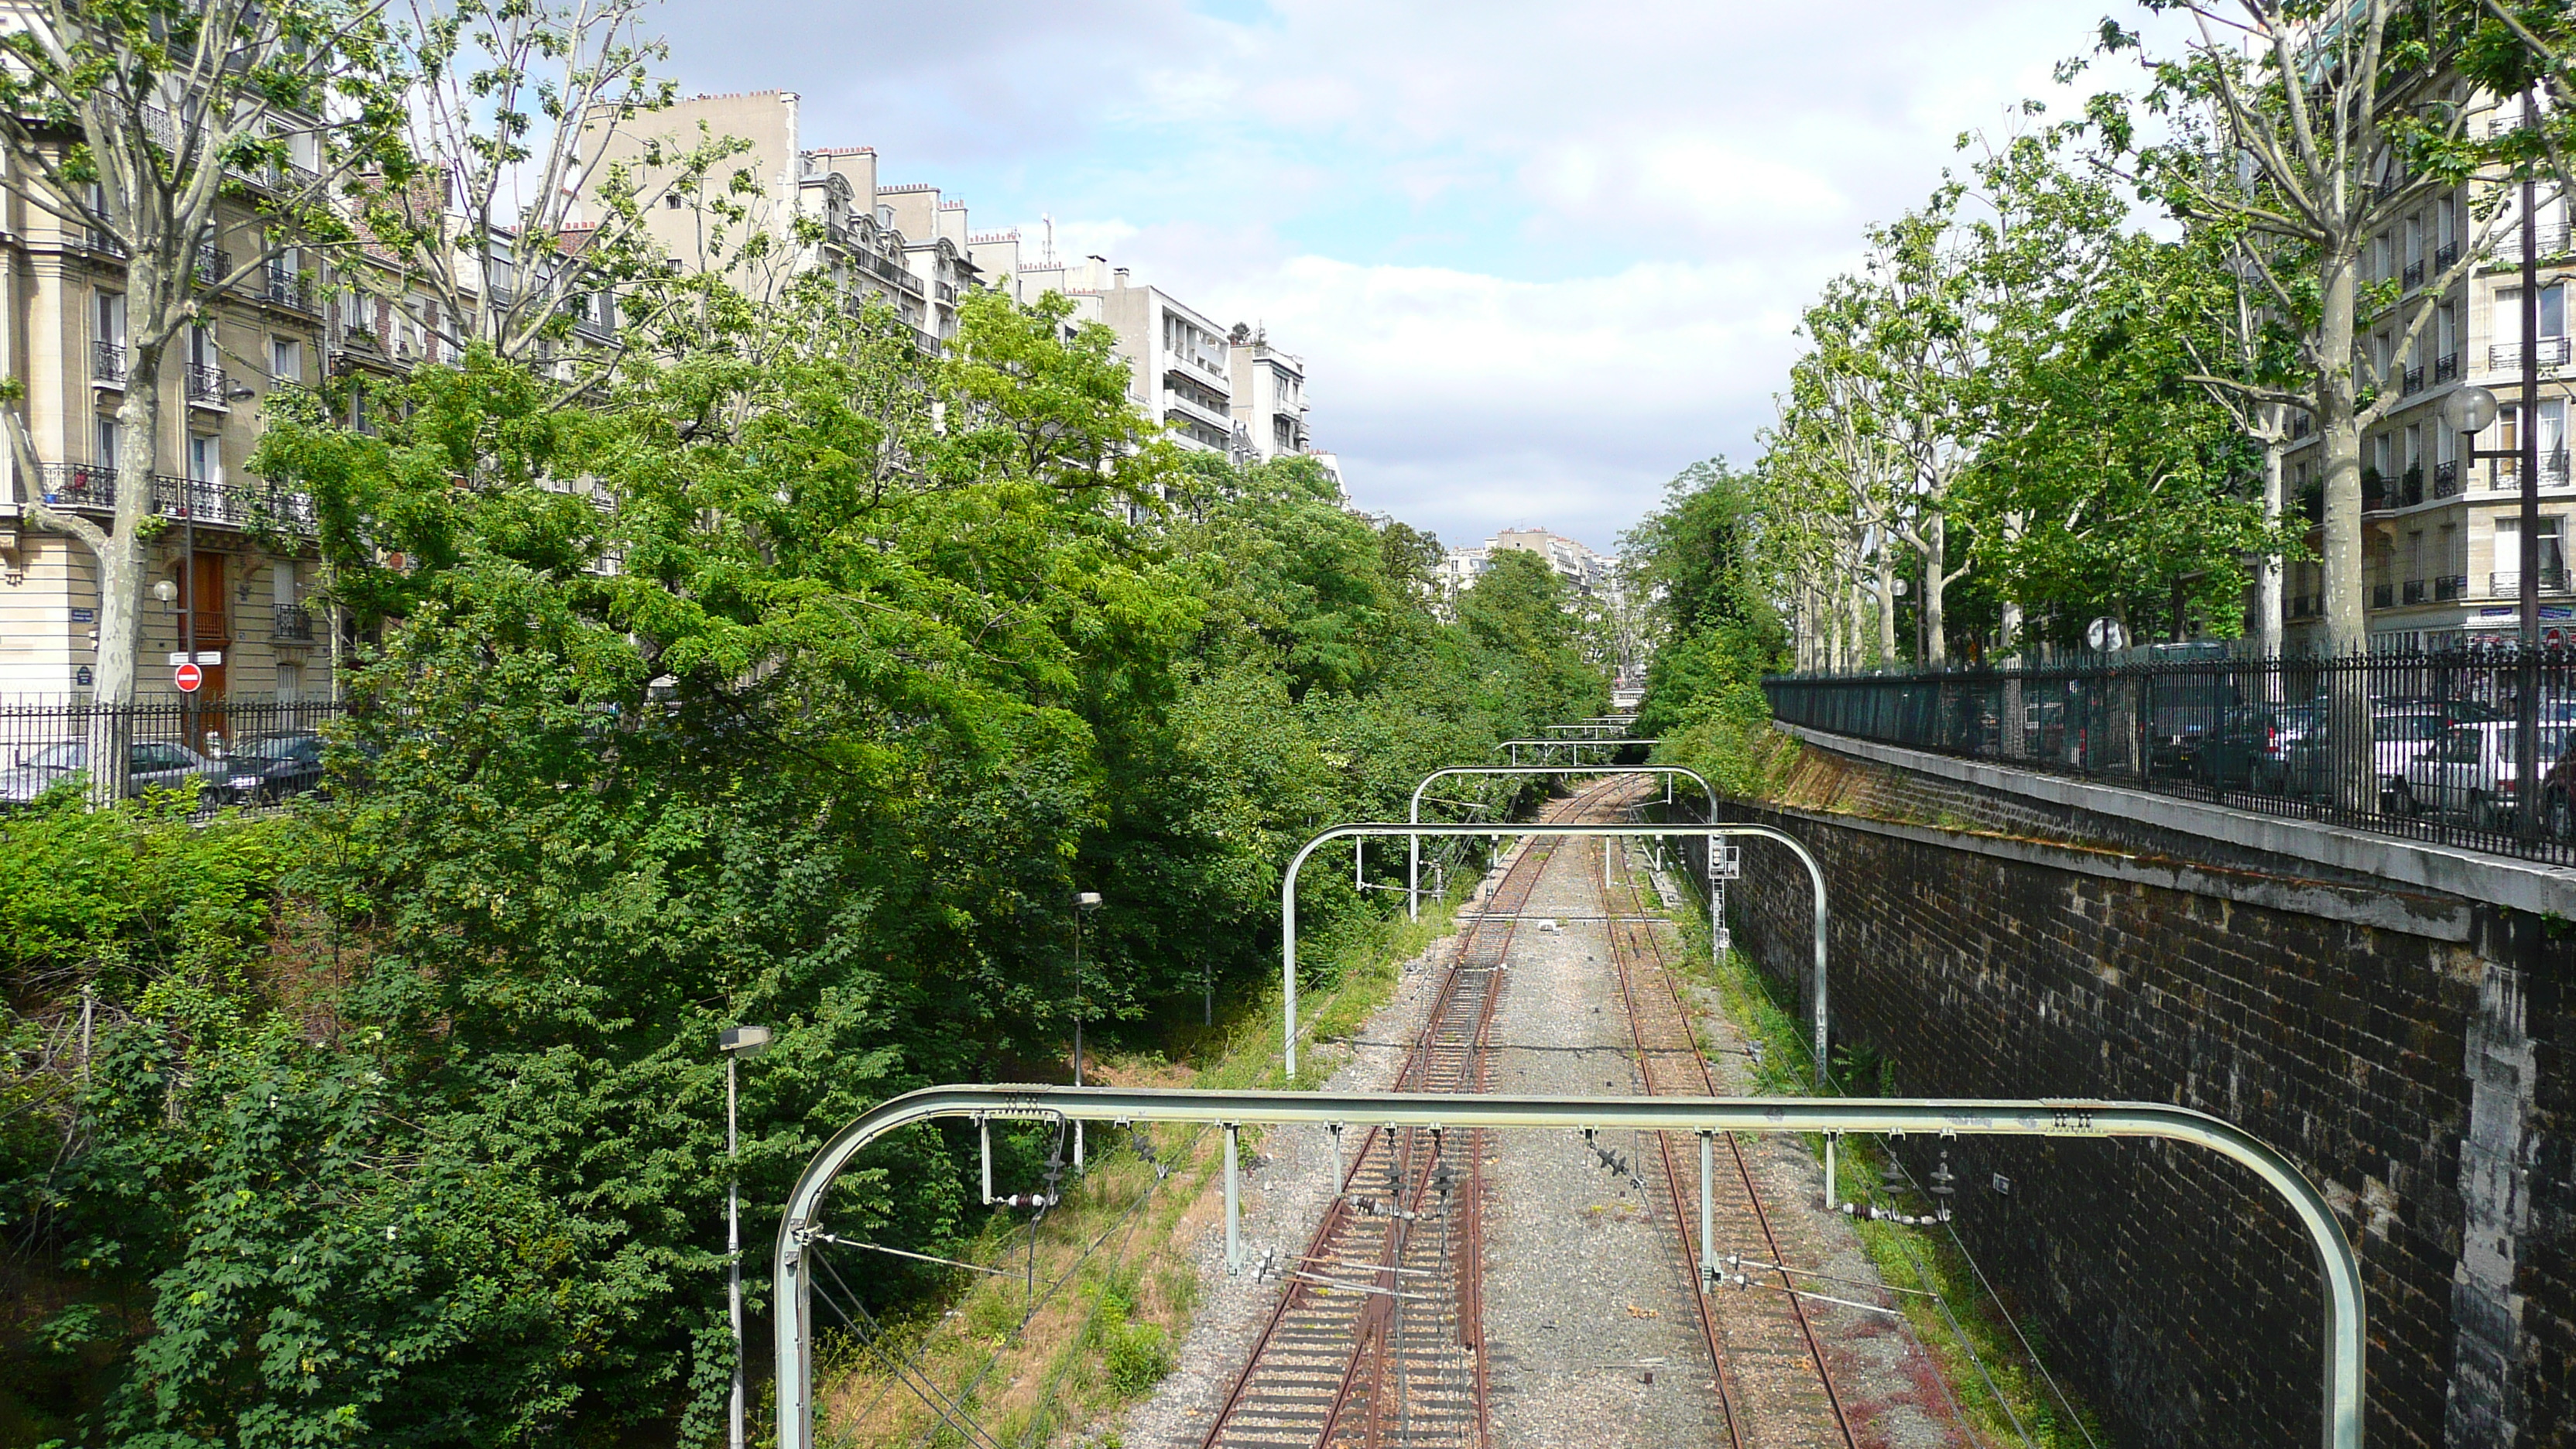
<point>735,1042</point>
<point>1084,903</point>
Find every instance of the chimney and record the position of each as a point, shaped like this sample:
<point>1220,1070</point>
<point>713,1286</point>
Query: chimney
<point>1121,275</point>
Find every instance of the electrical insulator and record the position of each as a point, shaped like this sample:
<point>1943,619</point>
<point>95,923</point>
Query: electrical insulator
<point>1944,1183</point>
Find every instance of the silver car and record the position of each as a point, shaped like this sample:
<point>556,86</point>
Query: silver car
<point>2473,772</point>
<point>164,764</point>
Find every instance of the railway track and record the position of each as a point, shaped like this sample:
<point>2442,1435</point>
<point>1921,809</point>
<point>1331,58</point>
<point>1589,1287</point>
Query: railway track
<point>1377,1338</point>
<point>1772,1381</point>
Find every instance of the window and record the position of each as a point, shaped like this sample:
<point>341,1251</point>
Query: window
<point>2414,240</point>
<point>286,359</point>
<point>103,442</point>
<point>290,683</point>
<point>2415,445</point>
<point>671,200</point>
<point>2553,313</point>
<point>205,458</point>
<point>201,347</point>
<point>2508,544</point>
<point>111,318</point>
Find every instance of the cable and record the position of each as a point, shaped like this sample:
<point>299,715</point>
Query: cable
<point>868,1337</point>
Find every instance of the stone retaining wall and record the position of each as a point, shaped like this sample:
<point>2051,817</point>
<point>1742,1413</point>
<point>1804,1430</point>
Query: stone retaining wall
<point>2408,1048</point>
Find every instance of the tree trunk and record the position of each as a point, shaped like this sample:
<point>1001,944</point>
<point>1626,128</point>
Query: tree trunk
<point>2270,631</point>
<point>2008,652</point>
<point>2339,444</point>
<point>1936,560</point>
<point>1886,603</point>
<point>123,563</point>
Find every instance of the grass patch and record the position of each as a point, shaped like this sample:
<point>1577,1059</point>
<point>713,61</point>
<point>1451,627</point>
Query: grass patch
<point>1089,1320</point>
<point>1996,1380</point>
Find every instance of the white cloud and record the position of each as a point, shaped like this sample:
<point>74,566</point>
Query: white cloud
<point>1539,256</point>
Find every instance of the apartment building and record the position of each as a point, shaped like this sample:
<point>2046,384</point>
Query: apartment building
<point>2441,534</point>
<point>1269,390</point>
<point>1592,575</point>
<point>1177,362</point>
<point>237,554</point>
<point>904,245</point>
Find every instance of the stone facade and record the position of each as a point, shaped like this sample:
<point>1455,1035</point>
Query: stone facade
<point>2408,1048</point>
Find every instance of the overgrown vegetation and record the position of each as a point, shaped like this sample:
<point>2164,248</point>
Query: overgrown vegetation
<point>795,677</point>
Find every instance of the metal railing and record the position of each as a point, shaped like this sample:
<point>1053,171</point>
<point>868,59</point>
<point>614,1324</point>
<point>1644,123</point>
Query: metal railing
<point>2383,596</point>
<point>291,623</point>
<point>2418,744</point>
<point>2446,479</point>
<point>2446,368</point>
<point>285,288</point>
<point>2507,583</point>
<point>2450,586</point>
<point>91,488</point>
<point>2414,591</point>
<point>214,752</point>
<point>2507,356</point>
<point>205,384</point>
<point>2414,274</point>
<point>107,362</point>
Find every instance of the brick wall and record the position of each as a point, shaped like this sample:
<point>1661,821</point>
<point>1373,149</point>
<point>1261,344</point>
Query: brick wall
<point>2181,1298</point>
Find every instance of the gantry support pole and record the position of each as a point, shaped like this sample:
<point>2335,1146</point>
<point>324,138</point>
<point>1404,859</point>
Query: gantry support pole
<point>792,1305</point>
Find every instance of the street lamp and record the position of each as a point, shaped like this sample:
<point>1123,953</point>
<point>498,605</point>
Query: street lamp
<point>736,1042</point>
<point>1084,903</point>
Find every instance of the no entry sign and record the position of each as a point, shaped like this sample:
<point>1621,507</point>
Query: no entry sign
<point>187,677</point>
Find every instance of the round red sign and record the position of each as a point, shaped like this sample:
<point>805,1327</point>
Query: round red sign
<point>188,677</point>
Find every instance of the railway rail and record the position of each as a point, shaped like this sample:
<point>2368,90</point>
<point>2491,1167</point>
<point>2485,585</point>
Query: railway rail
<point>1377,1337</point>
<point>1773,1384</point>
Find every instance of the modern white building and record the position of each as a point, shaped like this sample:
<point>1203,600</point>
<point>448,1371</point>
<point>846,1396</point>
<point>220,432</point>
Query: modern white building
<point>1269,395</point>
<point>1593,575</point>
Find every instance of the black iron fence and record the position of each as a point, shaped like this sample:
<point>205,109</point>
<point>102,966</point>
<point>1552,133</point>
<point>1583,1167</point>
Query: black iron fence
<point>215,754</point>
<point>2425,745</point>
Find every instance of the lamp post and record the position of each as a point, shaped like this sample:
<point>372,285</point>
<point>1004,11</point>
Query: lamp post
<point>736,1042</point>
<point>1084,903</point>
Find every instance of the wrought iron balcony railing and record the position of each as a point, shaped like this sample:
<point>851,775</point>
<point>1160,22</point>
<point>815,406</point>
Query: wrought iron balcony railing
<point>2414,591</point>
<point>2414,275</point>
<point>107,362</point>
<point>2446,368</point>
<point>2450,586</point>
<point>2507,356</point>
<point>2382,595</point>
<point>291,623</point>
<point>91,488</point>
<point>206,385</point>
<point>2507,583</point>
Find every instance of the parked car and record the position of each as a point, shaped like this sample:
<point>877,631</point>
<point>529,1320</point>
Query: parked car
<point>149,764</point>
<point>2473,773</point>
<point>271,768</point>
<point>2250,748</point>
<point>2397,739</point>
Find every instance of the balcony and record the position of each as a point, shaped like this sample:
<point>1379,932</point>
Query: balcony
<point>2549,241</point>
<point>91,488</point>
<point>2446,368</point>
<point>213,265</point>
<point>2414,275</point>
<point>104,243</point>
<point>2507,476</point>
<point>2507,583</point>
<point>2302,425</point>
<point>2414,591</point>
<point>206,385</point>
<point>2447,255</point>
<point>2446,479</point>
<point>2410,488</point>
<point>1196,407</point>
<point>2382,595</point>
<point>291,624</point>
<point>107,363</point>
<point>2507,356</point>
<point>2449,587</point>
<point>2412,382</point>
<point>2306,606</point>
<point>285,288</point>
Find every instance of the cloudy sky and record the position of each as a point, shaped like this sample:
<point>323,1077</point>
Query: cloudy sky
<point>1538,257</point>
